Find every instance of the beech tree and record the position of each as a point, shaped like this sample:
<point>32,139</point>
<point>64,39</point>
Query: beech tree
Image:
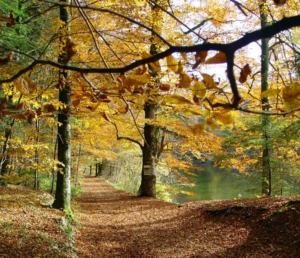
<point>108,44</point>
<point>63,184</point>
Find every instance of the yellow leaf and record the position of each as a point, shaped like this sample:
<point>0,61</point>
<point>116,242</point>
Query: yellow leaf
<point>134,79</point>
<point>172,63</point>
<point>190,112</point>
<point>198,89</point>
<point>219,58</point>
<point>96,106</point>
<point>123,110</point>
<point>140,3</point>
<point>211,123</point>
<point>198,128</point>
<point>184,81</point>
<point>180,68</point>
<point>25,86</point>
<point>224,117</point>
<point>291,96</point>
<point>270,93</point>
<point>209,81</point>
<point>187,193</point>
<point>155,65</point>
<point>176,99</point>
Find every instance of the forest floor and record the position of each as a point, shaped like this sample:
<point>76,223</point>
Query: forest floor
<point>113,223</point>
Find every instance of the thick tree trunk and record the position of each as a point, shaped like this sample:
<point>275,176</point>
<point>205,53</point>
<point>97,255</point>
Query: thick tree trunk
<point>151,133</point>
<point>63,184</point>
<point>148,183</point>
<point>266,120</point>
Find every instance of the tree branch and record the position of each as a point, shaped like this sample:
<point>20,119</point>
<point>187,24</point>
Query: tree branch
<point>126,138</point>
<point>229,49</point>
<point>103,10</point>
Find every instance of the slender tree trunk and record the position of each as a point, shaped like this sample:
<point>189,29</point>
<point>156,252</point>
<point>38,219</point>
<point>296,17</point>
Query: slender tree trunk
<point>5,158</point>
<point>96,168</point>
<point>266,120</point>
<point>53,171</point>
<point>63,184</point>
<point>77,163</point>
<point>36,158</point>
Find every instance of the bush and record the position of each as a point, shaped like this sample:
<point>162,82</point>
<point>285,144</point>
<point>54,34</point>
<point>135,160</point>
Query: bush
<point>76,190</point>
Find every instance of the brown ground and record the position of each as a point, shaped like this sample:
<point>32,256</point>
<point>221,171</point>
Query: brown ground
<point>116,224</point>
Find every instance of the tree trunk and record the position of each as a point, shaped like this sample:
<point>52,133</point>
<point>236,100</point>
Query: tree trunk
<point>148,183</point>
<point>151,132</point>
<point>77,163</point>
<point>36,156</point>
<point>63,184</point>
<point>266,120</point>
<point>5,160</point>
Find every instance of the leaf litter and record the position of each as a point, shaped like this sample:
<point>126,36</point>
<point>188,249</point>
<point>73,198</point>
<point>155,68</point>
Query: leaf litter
<point>113,223</point>
<point>117,224</point>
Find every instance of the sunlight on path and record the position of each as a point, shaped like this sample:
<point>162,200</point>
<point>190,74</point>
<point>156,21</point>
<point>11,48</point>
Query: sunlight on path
<point>117,224</point>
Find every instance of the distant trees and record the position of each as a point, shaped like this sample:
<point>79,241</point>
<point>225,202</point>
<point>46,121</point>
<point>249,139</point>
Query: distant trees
<point>177,90</point>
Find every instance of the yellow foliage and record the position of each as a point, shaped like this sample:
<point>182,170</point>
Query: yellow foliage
<point>191,112</point>
<point>187,193</point>
<point>184,81</point>
<point>291,96</point>
<point>270,93</point>
<point>172,63</point>
<point>198,89</point>
<point>219,58</point>
<point>155,65</point>
<point>135,79</point>
<point>176,99</point>
<point>198,128</point>
<point>225,117</point>
<point>25,86</point>
<point>209,81</point>
<point>211,123</point>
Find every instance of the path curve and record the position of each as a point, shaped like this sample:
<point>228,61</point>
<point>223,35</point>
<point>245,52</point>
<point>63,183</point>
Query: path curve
<point>117,224</point>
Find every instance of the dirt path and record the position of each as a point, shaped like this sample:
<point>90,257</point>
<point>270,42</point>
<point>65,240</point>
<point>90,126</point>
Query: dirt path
<point>117,224</point>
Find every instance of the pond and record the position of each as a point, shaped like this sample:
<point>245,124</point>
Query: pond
<point>219,184</point>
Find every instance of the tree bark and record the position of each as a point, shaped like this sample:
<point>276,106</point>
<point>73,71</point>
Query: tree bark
<point>148,183</point>
<point>151,133</point>
<point>266,120</point>
<point>63,184</point>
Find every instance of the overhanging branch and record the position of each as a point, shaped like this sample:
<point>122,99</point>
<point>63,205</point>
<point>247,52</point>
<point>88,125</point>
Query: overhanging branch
<point>229,49</point>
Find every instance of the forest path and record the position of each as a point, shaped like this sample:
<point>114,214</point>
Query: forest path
<point>117,224</point>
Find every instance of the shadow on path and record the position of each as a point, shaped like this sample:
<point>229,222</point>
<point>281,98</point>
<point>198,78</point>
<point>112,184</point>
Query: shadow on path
<point>117,224</point>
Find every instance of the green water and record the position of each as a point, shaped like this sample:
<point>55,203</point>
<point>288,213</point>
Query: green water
<point>220,184</point>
